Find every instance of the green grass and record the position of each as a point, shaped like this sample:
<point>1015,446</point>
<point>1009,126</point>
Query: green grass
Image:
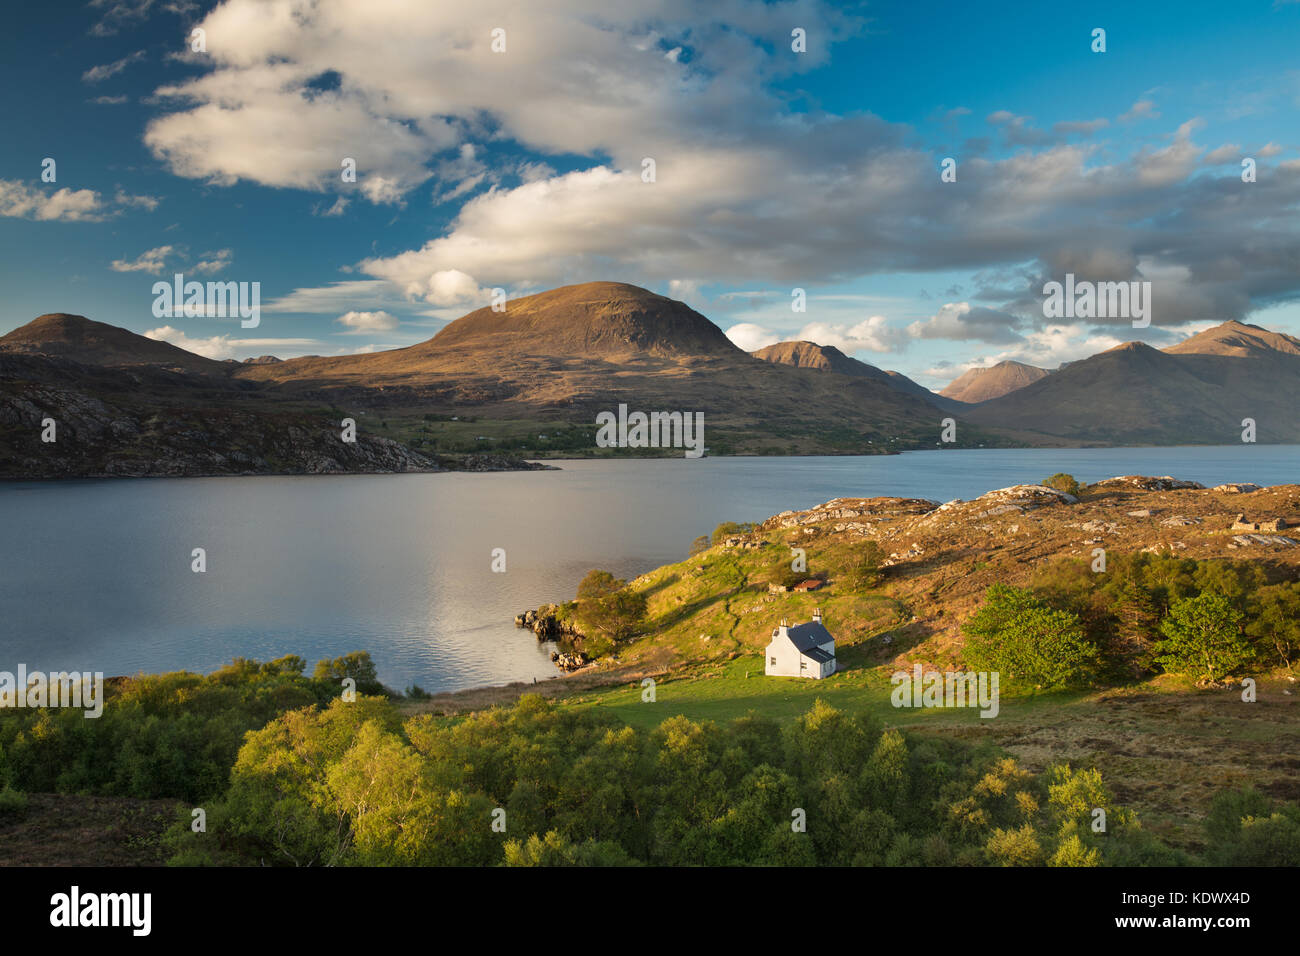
<point>732,689</point>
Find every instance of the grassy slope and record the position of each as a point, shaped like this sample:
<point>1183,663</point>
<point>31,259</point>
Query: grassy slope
<point>1164,746</point>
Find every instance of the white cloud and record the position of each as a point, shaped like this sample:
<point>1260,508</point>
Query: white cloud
<point>221,347</point>
<point>339,206</point>
<point>451,287</point>
<point>18,200</point>
<point>151,260</point>
<point>873,334</point>
<point>213,261</point>
<point>97,74</point>
<point>337,297</point>
<point>359,323</point>
<point>1227,153</point>
<point>751,337</point>
<point>1142,109</point>
<point>746,187</point>
<point>964,322</point>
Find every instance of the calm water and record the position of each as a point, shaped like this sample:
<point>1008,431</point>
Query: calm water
<point>95,575</point>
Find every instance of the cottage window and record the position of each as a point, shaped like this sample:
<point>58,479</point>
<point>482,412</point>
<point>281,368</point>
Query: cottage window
<point>774,661</point>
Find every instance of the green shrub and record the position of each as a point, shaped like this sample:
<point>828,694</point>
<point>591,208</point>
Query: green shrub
<point>729,528</point>
<point>607,610</point>
<point>1065,483</point>
<point>1028,642</point>
<point>13,803</point>
<point>1203,637</point>
<point>864,568</point>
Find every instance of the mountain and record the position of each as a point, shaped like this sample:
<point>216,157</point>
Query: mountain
<point>804,354</point>
<point>607,320</point>
<point>1238,340</point>
<point>476,391</point>
<point>983,384</point>
<point>575,351</point>
<point>1198,391</point>
<point>82,340</point>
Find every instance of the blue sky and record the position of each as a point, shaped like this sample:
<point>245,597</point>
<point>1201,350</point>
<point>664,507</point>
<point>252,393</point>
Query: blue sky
<point>522,169</point>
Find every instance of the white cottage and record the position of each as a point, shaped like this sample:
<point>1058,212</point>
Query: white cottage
<point>805,650</point>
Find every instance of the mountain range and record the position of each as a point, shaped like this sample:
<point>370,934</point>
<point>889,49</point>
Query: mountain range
<point>554,359</point>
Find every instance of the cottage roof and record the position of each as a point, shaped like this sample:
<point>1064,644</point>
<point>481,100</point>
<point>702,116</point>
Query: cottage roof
<point>809,635</point>
<point>818,655</point>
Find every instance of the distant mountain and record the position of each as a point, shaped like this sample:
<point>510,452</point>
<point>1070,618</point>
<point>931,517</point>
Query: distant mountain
<point>561,356</point>
<point>983,384</point>
<point>127,404</point>
<point>1198,391</point>
<point>79,339</point>
<point>1239,340</point>
<point>606,320</point>
<point>578,350</point>
<point>804,354</point>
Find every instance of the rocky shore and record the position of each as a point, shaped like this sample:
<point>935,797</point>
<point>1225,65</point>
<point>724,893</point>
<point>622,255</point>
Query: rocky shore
<point>548,627</point>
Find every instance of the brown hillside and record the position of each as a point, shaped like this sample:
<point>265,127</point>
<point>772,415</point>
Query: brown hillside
<point>79,339</point>
<point>984,384</point>
<point>1135,394</point>
<point>580,349</point>
<point>595,319</point>
<point>1237,339</point>
<point>804,354</point>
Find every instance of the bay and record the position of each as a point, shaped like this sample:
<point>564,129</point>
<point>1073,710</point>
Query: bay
<point>96,574</point>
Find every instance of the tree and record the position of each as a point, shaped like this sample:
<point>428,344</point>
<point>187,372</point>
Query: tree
<point>700,545</point>
<point>356,665</point>
<point>607,606</point>
<point>1203,637</point>
<point>864,567</point>
<point>1063,482</point>
<point>1026,641</point>
<point>1276,623</point>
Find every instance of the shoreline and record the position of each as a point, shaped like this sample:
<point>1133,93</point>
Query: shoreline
<point>544,464</point>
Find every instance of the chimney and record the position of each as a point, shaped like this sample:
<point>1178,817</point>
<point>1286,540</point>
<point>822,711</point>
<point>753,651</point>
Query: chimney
<point>817,614</point>
<point>785,622</point>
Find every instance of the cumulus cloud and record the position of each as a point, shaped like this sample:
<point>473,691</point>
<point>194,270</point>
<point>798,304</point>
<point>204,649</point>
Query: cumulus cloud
<point>873,334</point>
<point>20,201</point>
<point>746,188</point>
<point>413,84</point>
<point>359,323</point>
<point>752,337</point>
<point>963,322</point>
